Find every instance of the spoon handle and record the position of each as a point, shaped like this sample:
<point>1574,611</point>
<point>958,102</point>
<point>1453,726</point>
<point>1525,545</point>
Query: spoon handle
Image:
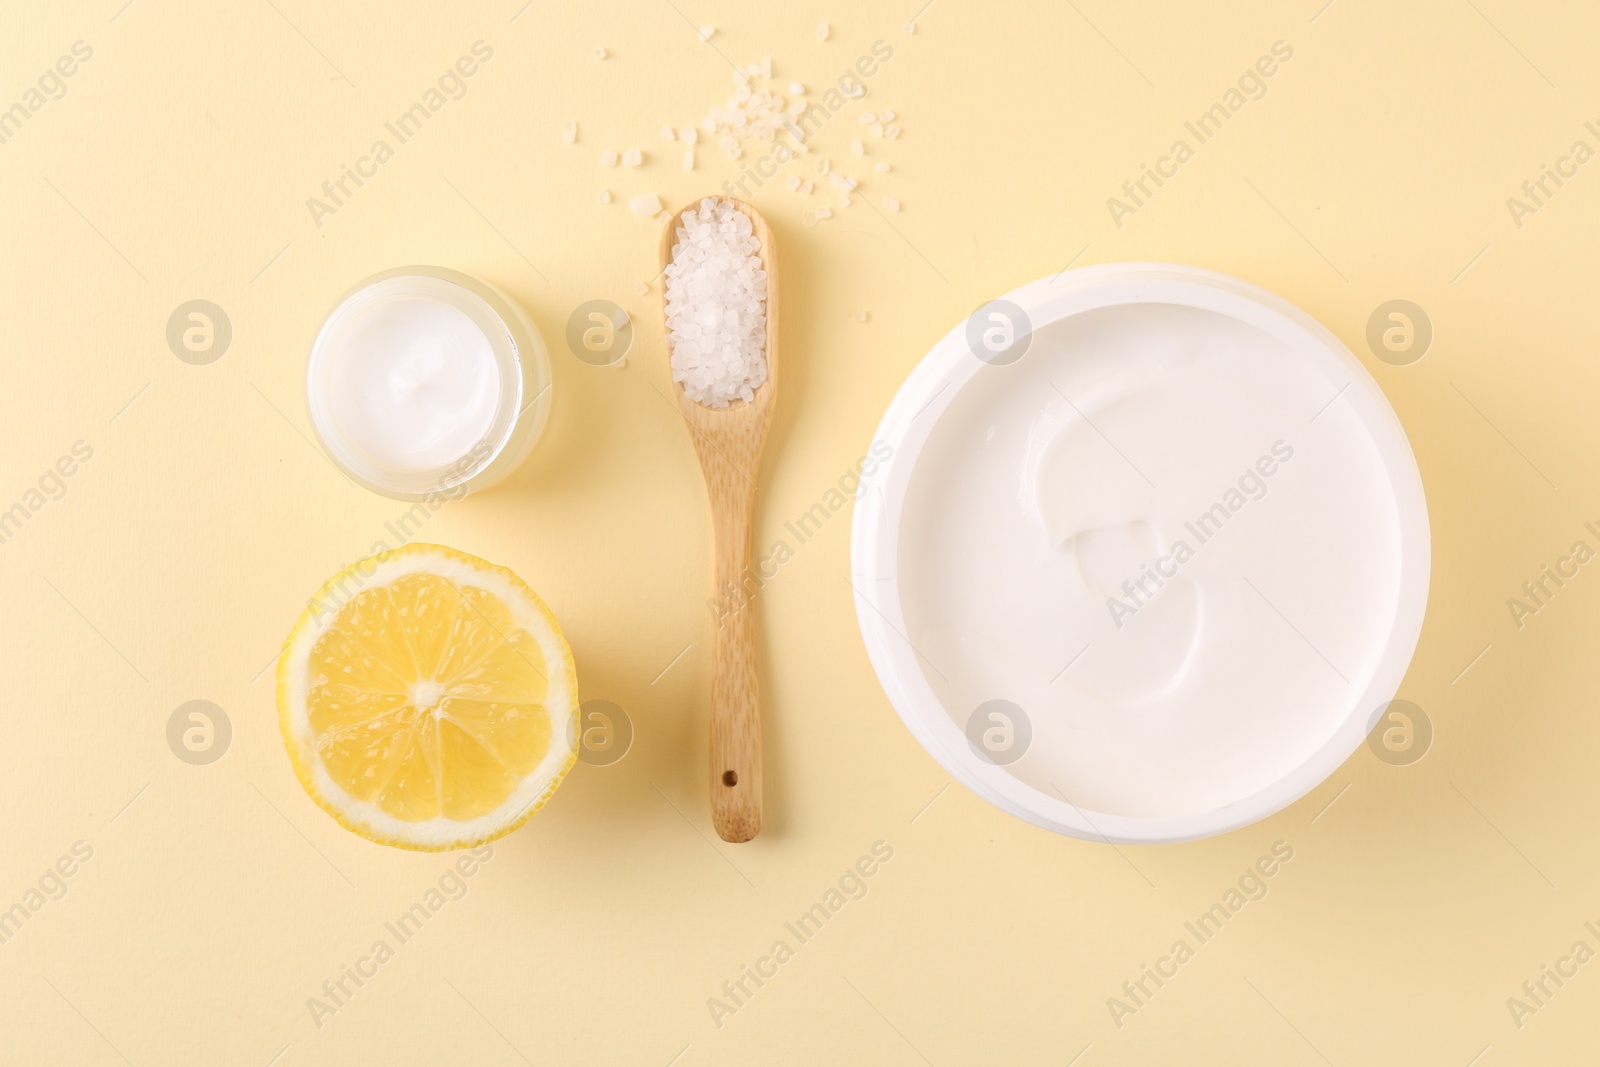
<point>735,708</point>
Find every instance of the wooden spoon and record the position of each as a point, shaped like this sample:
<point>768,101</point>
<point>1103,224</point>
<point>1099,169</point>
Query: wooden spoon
<point>729,442</point>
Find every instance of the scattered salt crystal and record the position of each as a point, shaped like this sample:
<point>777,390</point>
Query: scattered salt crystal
<point>688,159</point>
<point>632,157</point>
<point>750,112</point>
<point>886,115</point>
<point>824,213</point>
<point>867,118</point>
<point>642,288</point>
<point>823,165</point>
<point>808,187</point>
<point>608,158</point>
<point>797,107</point>
<point>844,201</point>
<point>808,217</point>
<point>668,133</point>
<point>647,205</point>
<point>600,53</point>
<point>909,28</point>
<point>716,291</point>
<point>862,316</point>
<point>858,148</point>
<point>605,196</point>
<point>797,89</point>
<point>842,181</point>
<point>891,203</point>
<point>569,132</point>
<point>892,132</point>
<point>706,32</point>
<point>793,183</point>
<point>877,129</point>
<point>823,31</point>
<point>884,168</point>
<point>689,135</point>
<point>729,141</point>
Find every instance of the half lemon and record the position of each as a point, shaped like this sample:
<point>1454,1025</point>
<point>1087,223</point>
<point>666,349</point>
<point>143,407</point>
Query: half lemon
<point>428,699</point>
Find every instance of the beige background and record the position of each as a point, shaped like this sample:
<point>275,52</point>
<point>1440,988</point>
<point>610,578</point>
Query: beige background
<point>218,898</point>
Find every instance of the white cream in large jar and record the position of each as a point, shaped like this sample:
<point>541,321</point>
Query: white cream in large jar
<point>1165,544</point>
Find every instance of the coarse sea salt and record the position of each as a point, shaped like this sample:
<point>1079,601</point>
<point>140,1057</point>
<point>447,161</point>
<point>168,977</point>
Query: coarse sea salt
<point>749,113</point>
<point>716,288</point>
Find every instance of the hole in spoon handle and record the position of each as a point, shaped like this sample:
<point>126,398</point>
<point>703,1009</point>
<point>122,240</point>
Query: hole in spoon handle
<point>735,769</point>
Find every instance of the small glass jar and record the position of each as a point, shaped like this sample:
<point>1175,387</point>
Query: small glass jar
<point>425,382</point>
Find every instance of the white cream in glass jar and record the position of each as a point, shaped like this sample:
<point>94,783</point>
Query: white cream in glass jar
<point>426,381</point>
